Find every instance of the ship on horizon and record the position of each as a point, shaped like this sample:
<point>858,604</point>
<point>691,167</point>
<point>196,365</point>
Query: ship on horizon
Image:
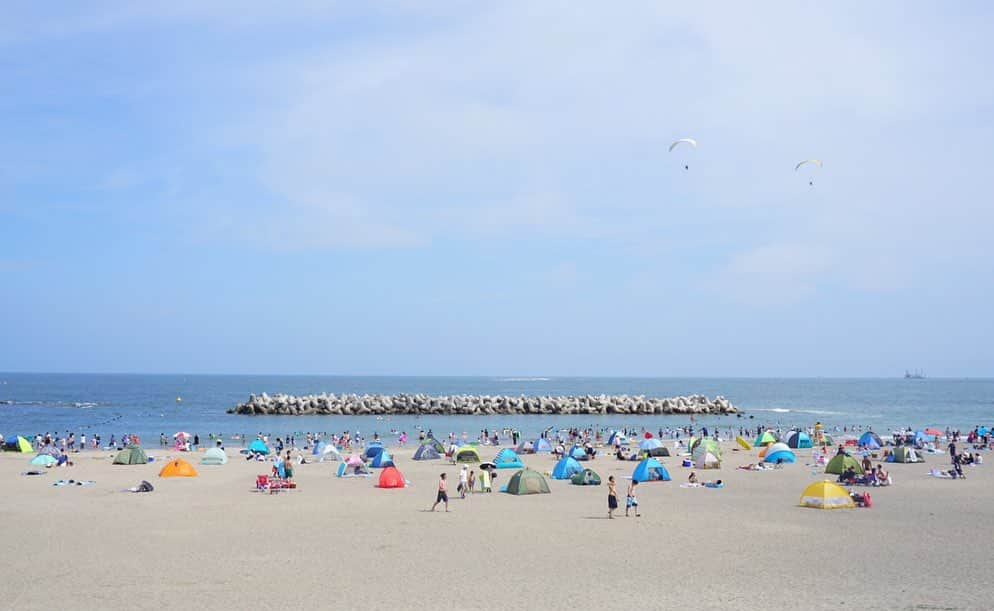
<point>918,374</point>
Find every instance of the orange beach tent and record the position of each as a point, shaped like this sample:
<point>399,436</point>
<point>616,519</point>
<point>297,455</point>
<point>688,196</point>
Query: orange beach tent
<point>178,468</point>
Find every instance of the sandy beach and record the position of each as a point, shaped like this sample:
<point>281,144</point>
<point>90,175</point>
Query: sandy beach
<point>214,542</point>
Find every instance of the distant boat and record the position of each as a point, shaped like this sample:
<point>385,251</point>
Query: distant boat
<point>918,374</point>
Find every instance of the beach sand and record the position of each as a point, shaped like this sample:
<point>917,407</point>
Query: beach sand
<point>213,542</point>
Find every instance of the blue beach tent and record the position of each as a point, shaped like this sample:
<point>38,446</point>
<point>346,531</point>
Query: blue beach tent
<point>870,440</point>
<point>779,452</point>
<point>798,439</point>
<point>566,468</point>
<point>617,435</point>
<point>259,447</point>
<point>381,459</point>
<point>372,450</point>
<point>541,445</point>
<point>650,470</point>
<point>508,459</point>
<point>578,453</point>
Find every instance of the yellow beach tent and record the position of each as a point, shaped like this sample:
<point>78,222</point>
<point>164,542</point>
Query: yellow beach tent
<point>826,495</point>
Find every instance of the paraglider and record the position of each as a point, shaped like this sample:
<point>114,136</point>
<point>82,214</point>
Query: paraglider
<point>806,161</point>
<point>677,143</point>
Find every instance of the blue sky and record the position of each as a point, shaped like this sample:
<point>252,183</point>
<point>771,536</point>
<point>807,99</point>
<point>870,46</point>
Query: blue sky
<point>467,188</point>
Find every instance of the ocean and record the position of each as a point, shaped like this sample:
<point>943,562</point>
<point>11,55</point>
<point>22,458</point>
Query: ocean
<point>146,405</point>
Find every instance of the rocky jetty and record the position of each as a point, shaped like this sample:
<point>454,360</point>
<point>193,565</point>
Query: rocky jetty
<point>476,405</point>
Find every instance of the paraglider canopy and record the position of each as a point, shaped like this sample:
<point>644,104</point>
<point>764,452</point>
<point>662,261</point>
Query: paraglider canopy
<point>688,141</point>
<point>816,162</point>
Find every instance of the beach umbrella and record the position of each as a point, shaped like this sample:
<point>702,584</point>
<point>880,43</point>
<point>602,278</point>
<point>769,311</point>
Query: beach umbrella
<point>488,465</point>
<point>182,434</point>
<point>43,460</point>
<point>936,432</point>
<point>650,443</point>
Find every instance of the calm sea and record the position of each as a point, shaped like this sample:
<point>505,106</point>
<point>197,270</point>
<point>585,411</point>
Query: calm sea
<point>146,404</point>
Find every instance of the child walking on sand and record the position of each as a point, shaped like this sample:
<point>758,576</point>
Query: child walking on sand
<point>443,493</point>
<point>631,500</point>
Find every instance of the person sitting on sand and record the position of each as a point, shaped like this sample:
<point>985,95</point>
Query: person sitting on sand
<point>693,478</point>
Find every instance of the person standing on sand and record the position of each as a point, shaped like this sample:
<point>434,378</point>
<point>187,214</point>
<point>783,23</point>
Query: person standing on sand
<point>463,481</point>
<point>443,493</point>
<point>631,500</point>
<point>612,497</point>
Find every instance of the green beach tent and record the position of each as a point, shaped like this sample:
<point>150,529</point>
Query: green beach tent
<point>842,462</point>
<point>587,477</point>
<point>765,439</point>
<point>133,455</point>
<point>906,454</point>
<point>466,454</point>
<point>527,481</point>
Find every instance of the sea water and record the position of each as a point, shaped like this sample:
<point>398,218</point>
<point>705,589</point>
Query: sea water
<point>146,404</point>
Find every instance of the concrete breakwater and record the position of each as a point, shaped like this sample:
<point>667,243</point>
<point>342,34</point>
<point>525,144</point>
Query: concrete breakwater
<point>479,405</point>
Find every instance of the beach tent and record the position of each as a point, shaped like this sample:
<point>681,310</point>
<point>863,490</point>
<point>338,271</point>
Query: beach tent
<point>355,469</point>
<point>178,468</point>
<point>566,468</point>
<point>426,452</point>
<point>214,456</point>
<point>922,437</point>
<point>617,436</point>
<point>391,478</point>
<point>799,439</point>
<point>742,442</point>
<point>778,452</point>
<point>706,454</point>
<point>431,441</point>
<point>650,444</point>
<point>18,445</point>
<point>467,453</point>
<point>525,447</point>
<point>527,481</point>
<point>259,447</point>
<point>372,451</point>
<point>382,460</point>
<point>578,453</point>
<point>660,451</point>
<point>43,460</point>
<point>508,459</point>
<point>376,443</point>
<point>132,455</point>
<point>906,455</point>
<point>765,438</point>
<point>650,470</point>
<point>542,445</point>
<point>587,477</point>
<point>329,452</point>
<point>826,495</point>
<point>842,462</point>
<point>870,440</point>
<point>318,447</point>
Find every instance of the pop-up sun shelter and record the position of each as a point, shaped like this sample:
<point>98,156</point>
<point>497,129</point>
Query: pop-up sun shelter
<point>826,495</point>
<point>527,481</point>
<point>778,452</point>
<point>466,453</point>
<point>214,456</point>
<point>587,477</point>
<point>566,468</point>
<point>541,445</point>
<point>870,440</point>
<point>578,453</point>
<point>841,462</point>
<point>132,455</point>
<point>391,478</point>
<point>650,470</point>
<point>329,452</point>
<point>798,439</point>
<point>18,445</point>
<point>508,459</point>
<point>353,469</point>
<point>381,460</point>
<point>765,438</point>
<point>178,468</point>
<point>906,454</point>
<point>431,441</point>
<point>426,452</point>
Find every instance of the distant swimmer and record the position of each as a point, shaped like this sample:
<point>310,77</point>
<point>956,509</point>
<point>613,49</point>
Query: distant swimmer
<point>179,399</point>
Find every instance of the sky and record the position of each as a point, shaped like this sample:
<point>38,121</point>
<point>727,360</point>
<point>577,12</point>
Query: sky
<point>485,188</point>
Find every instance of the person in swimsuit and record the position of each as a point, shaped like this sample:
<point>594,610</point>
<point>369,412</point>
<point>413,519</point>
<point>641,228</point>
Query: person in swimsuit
<point>443,493</point>
<point>612,497</point>
<point>631,500</point>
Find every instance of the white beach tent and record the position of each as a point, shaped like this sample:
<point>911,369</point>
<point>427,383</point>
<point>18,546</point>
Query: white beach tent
<point>329,452</point>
